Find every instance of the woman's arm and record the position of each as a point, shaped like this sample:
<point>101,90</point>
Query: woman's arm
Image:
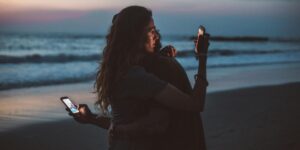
<point>85,116</point>
<point>174,98</point>
<point>101,121</point>
<point>155,123</point>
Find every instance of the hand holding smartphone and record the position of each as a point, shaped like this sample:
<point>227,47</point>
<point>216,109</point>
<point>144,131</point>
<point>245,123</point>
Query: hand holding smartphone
<point>202,42</point>
<point>69,104</point>
<point>201,31</point>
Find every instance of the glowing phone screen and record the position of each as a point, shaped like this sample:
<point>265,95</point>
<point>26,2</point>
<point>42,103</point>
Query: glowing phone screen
<point>70,105</point>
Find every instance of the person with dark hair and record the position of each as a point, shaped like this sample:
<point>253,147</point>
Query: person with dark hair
<point>124,82</point>
<point>185,129</point>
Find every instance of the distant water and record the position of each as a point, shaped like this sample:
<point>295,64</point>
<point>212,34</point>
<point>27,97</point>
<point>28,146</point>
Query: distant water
<point>44,59</point>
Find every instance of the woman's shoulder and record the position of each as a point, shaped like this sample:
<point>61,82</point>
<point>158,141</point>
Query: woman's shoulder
<point>134,74</point>
<point>139,83</point>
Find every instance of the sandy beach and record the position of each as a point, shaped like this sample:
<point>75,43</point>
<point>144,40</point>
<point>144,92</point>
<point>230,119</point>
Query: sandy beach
<point>254,108</point>
<point>233,120</point>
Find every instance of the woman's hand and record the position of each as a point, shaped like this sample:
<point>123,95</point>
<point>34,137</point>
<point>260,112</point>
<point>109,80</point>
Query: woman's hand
<point>84,116</point>
<point>202,44</point>
<point>169,51</point>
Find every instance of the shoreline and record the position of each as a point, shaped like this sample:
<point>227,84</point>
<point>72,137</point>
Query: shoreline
<point>249,107</point>
<point>213,74</point>
<point>263,117</point>
<point>21,107</point>
<point>223,79</point>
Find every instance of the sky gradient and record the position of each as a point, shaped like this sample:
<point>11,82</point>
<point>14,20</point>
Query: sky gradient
<point>221,17</point>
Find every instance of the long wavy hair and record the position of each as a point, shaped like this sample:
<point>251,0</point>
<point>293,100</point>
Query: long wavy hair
<point>125,47</point>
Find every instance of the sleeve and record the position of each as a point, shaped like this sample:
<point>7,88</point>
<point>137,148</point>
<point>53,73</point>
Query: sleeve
<point>140,84</point>
<point>155,123</point>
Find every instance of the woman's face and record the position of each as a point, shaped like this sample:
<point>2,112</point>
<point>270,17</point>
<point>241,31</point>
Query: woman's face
<point>152,37</point>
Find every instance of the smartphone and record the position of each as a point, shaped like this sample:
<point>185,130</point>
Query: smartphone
<point>71,105</point>
<point>201,30</point>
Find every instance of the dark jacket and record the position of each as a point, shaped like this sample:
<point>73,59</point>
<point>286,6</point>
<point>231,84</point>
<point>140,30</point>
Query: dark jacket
<point>185,131</point>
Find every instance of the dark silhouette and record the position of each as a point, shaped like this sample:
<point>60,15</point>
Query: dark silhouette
<point>135,87</point>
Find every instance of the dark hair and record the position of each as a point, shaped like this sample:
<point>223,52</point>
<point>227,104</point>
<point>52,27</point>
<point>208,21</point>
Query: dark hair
<point>125,46</point>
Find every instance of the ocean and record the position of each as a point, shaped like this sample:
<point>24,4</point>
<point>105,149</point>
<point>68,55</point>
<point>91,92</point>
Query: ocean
<point>28,60</point>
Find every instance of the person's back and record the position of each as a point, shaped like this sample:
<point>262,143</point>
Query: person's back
<point>185,129</point>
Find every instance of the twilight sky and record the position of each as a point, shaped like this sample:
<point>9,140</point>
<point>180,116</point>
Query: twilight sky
<point>221,17</point>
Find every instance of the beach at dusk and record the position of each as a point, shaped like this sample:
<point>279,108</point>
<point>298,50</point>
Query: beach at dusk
<point>261,114</point>
<point>53,48</point>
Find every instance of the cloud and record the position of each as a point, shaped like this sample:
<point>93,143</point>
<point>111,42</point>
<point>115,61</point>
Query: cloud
<point>39,16</point>
<point>246,17</point>
<point>57,21</point>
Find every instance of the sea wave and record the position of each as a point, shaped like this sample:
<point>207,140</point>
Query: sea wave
<point>63,58</point>
<point>227,52</point>
<point>50,47</point>
<point>91,76</point>
<point>220,38</point>
<point>165,37</point>
<point>242,64</point>
<point>52,35</point>
<point>236,38</point>
<point>36,58</point>
<point>34,83</point>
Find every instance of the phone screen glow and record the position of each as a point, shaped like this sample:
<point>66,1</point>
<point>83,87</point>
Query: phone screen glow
<point>200,31</point>
<point>70,105</point>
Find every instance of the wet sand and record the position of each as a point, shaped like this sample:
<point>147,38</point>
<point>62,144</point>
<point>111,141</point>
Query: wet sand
<point>265,118</point>
<point>261,118</point>
<point>240,112</point>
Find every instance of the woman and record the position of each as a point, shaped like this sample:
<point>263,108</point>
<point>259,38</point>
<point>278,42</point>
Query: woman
<point>123,83</point>
<point>128,88</point>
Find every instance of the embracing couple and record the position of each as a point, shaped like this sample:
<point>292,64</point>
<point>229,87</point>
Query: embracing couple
<point>153,106</point>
